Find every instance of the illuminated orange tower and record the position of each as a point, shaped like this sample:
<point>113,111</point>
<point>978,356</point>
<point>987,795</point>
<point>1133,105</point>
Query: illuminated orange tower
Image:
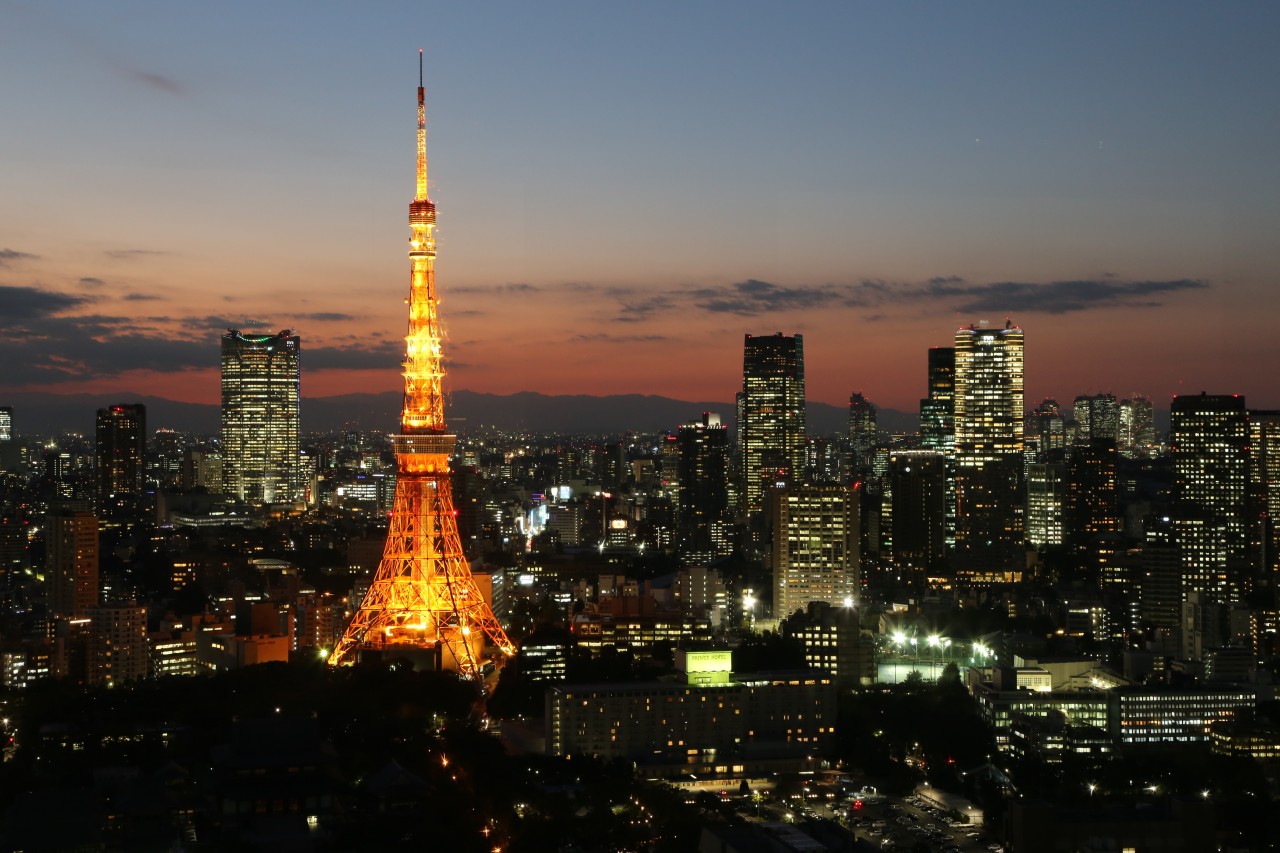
<point>423,595</point>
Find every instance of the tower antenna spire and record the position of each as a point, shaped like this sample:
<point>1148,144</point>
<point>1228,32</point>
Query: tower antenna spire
<point>422,135</point>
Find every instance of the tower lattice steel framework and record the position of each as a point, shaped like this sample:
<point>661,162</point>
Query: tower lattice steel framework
<point>423,595</point>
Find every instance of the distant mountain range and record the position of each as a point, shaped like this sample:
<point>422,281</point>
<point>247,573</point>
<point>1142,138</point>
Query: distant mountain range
<point>37,413</point>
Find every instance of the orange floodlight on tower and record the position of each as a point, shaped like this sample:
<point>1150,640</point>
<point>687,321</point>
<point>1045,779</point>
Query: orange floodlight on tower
<point>423,595</point>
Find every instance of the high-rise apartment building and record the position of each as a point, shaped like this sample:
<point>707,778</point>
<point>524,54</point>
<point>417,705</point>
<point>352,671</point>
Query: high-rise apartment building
<point>120,456</point>
<point>260,390</point>
<point>1209,440</point>
<point>703,476</point>
<point>862,431</point>
<point>815,546</point>
<point>71,563</point>
<point>771,415</point>
<point>117,645</point>
<point>989,445</point>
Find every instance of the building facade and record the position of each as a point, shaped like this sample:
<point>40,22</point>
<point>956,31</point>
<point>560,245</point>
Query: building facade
<point>771,415</point>
<point>989,446</point>
<point>260,397</point>
<point>816,548</point>
<point>1209,440</point>
<point>120,457</point>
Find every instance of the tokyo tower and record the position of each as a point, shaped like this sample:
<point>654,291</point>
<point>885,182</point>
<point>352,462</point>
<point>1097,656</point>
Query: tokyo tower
<point>423,595</point>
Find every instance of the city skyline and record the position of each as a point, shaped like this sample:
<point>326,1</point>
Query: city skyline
<point>629,191</point>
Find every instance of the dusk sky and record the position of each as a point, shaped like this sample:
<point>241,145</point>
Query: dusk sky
<point>626,189</point>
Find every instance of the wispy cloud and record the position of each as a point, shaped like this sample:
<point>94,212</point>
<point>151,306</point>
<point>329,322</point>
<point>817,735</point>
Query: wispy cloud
<point>140,297</point>
<point>90,281</point>
<point>1057,297</point>
<point>949,293</point>
<point>9,256</point>
<point>753,296</point>
<point>497,289</point>
<point>326,317</point>
<point>153,80</point>
<point>616,339</point>
<point>129,254</point>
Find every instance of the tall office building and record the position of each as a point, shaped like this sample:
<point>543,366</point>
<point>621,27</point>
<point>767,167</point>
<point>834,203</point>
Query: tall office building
<point>1097,417</point>
<point>260,391</point>
<point>6,423</point>
<point>120,455</point>
<point>1047,500</point>
<point>1264,489</point>
<point>862,431</point>
<point>71,563</point>
<point>937,411</point>
<point>815,546</point>
<point>918,495</point>
<point>1209,440</point>
<point>1095,503</point>
<point>1048,429</point>
<point>989,430</point>
<point>1137,427</point>
<point>703,475</point>
<point>771,415</point>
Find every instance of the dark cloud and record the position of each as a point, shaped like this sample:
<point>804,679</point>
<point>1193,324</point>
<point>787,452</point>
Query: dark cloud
<point>8,256</point>
<point>90,281</point>
<point>637,311</point>
<point>953,293</point>
<point>751,297</point>
<point>127,254</point>
<point>326,317</point>
<point>383,355</point>
<point>140,297</point>
<point>616,339</point>
<point>1057,297</point>
<point>214,322</point>
<point>18,304</point>
<point>495,289</point>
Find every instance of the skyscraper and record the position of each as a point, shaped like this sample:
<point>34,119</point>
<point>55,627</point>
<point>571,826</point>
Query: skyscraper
<point>71,563</point>
<point>1137,427</point>
<point>815,546</point>
<point>6,423</point>
<point>120,454</point>
<point>1209,440</point>
<point>918,486</point>
<point>862,431</point>
<point>1047,500</point>
<point>771,415</point>
<point>1264,483</point>
<point>702,473</point>
<point>260,388</point>
<point>989,424</point>
<point>937,411</point>
<point>1097,417</point>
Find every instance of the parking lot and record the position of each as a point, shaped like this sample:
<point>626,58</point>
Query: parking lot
<point>905,824</point>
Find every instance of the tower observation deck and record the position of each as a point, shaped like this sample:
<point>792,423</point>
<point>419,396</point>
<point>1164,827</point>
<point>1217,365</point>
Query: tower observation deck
<point>423,596</point>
